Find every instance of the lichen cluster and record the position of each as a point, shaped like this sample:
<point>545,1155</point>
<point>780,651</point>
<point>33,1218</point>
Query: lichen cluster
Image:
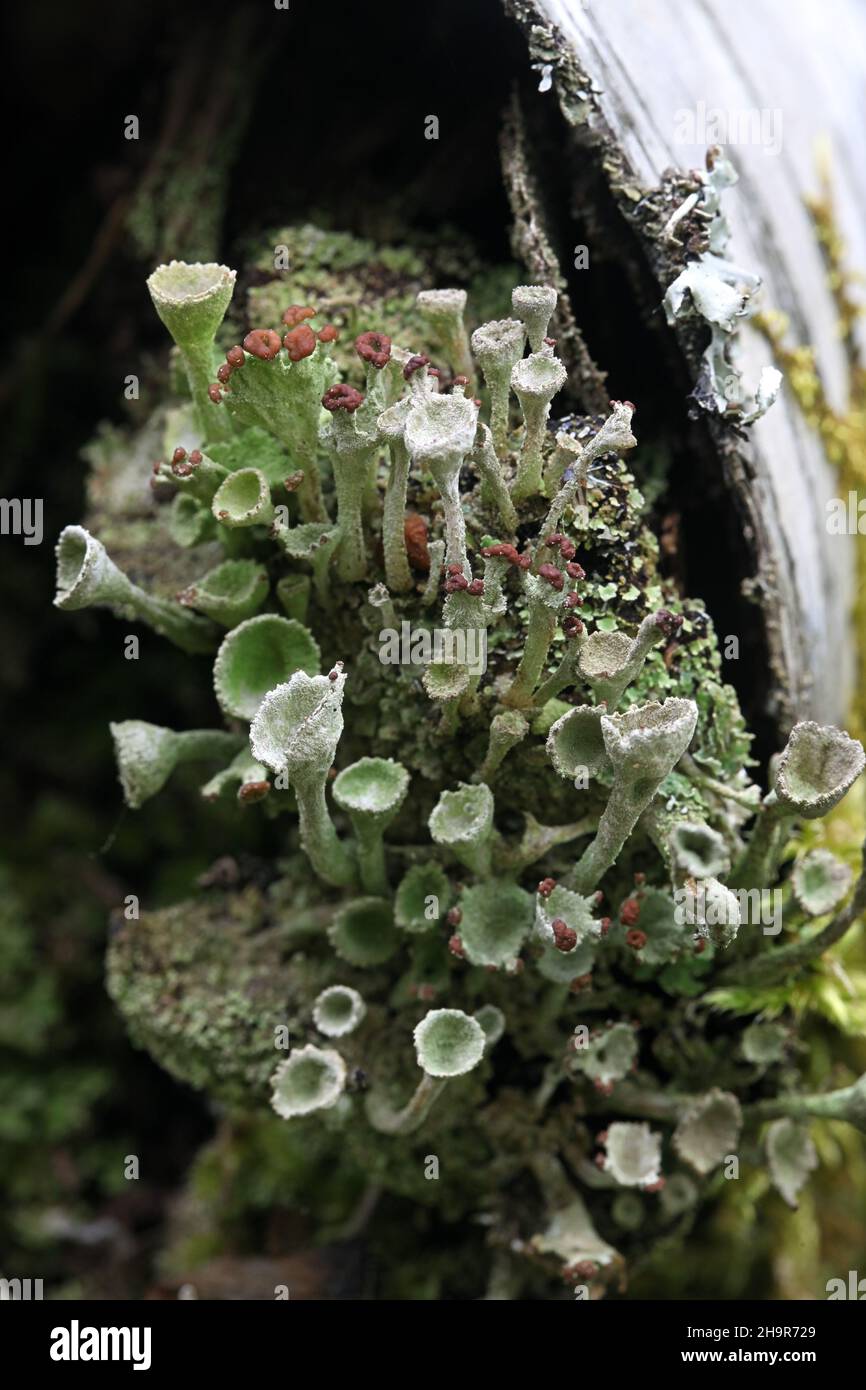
<point>524,852</point>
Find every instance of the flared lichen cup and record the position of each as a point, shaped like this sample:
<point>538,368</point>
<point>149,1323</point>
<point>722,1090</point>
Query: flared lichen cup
<point>820,881</point>
<point>230,593</point>
<point>371,792</point>
<point>462,821</point>
<point>257,656</point>
<point>363,932</point>
<point>633,1154</point>
<point>698,851</point>
<point>311,1078</point>
<point>448,1043</point>
<point>496,920</point>
<point>192,299</point>
<point>423,897</point>
<point>816,769</point>
<point>338,1011</point>
<point>534,305</point>
<point>575,744</point>
<point>243,499</point>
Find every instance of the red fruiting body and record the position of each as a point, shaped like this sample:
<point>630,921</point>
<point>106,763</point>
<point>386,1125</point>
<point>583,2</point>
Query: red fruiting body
<point>215,394</point>
<point>572,627</point>
<point>571,600</point>
<point>670,623</point>
<point>415,531</point>
<point>605,925</point>
<point>296,313</point>
<point>629,913</point>
<point>636,938</point>
<point>294,480</point>
<point>300,342</point>
<point>253,791</point>
<point>332,675</point>
<point>342,397</point>
<point>604,1088</point>
<point>552,575</point>
<point>235,356</point>
<point>585,1269</point>
<point>263,343</point>
<point>601,1137</point>
<point>700,945</point>
<point>195,458</point>
<point>328,334</point>
<point>454,916</point>
<point>567,548</point>
<point>476,587</point>
<point>414,365</point>
<point>454,569</point>
<point>546,887</point>
<point>639,879</point>
<point>455,582</point>
<point>179,455</point>
<point>655,1186</point>
<point>374,348</point>
<point>599,1160</point>
<point>564,937</point>
<point>460,380</point>
<point>574,570</point>
<point>455,946</point>
<point>182,470</point>
<point>507,552</point>
<point>435,373</point>
<point>224,372</point>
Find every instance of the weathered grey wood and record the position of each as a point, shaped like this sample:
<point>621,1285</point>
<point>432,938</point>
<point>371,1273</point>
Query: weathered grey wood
<point>648,61</point>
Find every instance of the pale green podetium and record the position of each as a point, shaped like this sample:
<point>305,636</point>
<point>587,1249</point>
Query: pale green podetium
<point>392,425</point>
<point>535,381</point>
<point>644,744</point>
<point>192,301</point>
<point>498,347</point>
<point>295,733</point>
<point>534,306</point>
<point>440,432</point>
<point>448,1043</point>
<point>371,793</point>
<point>353,455</point>
<point>443,311</point>
<point>88,578</point>
<point>148,754</point>
<point>817,767</point>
